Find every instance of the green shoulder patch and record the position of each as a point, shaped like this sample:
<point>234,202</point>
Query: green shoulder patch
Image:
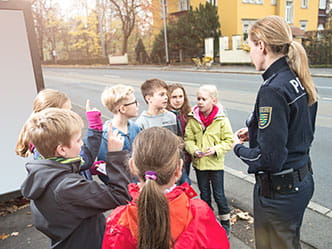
<point>265,115</point>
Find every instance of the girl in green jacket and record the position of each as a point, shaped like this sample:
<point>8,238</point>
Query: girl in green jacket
<point>208,137</point>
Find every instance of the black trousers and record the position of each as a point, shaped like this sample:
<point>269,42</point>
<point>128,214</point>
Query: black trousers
<point>278,220</point>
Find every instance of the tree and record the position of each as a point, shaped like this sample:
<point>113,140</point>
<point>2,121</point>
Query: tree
<point>126,10</point>
<point>141,55</point>
<point>186,35</point>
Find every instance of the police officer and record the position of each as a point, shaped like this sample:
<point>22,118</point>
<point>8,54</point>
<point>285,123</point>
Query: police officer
<point>280,132</point>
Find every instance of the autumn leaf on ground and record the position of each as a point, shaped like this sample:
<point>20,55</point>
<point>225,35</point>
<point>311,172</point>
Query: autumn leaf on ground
<point>4,236</point>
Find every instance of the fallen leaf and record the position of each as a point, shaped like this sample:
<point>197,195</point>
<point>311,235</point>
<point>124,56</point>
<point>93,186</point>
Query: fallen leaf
<point>4,236</point>
<point>14,234</point>
<point>243,215</point>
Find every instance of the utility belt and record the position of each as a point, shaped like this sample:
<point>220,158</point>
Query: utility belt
<point>282,182</point>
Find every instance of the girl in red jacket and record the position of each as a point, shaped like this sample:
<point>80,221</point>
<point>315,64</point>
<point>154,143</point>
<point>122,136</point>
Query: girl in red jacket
<point>161,214</point>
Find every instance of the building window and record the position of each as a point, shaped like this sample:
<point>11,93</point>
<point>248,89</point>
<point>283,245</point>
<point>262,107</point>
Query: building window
<point>183,5</point>
<point>303,25</point>
<point>213,2</point>
<point>304,4</point>
<point>273,2</point>
<point>259,1</point>
<point>322,4</point>
<point>246,23</point>
<point>289,12</point>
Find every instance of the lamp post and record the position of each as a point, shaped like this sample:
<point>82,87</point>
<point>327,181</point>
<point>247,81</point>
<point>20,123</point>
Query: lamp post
<point>165,31</point>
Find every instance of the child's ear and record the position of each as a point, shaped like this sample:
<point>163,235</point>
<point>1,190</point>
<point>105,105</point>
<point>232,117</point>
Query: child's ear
<point>147,98</point>
<point>60,150</point>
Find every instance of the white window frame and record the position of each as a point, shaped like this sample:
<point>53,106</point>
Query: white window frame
<point>303,25</point>
<point>304,4</point>
<point>259,2</point>
<point>247,23</point>
<point>273,2</point>
<point>289,11</point>
<point>183,5</point>
<point>213,2</point>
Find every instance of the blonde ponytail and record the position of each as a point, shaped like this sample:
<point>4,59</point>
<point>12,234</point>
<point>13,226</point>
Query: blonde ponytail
<point>298,61</point>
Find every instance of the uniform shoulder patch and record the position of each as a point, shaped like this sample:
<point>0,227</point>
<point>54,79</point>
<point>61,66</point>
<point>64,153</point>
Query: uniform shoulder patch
<point>265,115</point>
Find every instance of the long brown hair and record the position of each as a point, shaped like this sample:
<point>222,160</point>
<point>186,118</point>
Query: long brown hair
<point>185,109</point>
<point>277,35</point>
<point>163,158</point>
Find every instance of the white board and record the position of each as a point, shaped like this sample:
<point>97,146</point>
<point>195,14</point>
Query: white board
<point>20,80</point>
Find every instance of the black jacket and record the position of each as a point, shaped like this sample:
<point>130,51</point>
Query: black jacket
<point>68,208</point>
<point>281,127</point>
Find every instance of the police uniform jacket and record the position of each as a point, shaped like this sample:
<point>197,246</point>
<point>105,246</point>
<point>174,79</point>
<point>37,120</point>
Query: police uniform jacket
<point>282,125</point>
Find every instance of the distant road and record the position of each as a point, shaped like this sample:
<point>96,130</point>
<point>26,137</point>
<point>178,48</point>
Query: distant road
<point>237,93</point>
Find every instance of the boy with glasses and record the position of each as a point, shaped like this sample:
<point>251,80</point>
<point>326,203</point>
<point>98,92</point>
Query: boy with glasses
<point>121,102</point>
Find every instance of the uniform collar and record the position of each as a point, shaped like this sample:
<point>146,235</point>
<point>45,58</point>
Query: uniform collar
<point>276,67</point>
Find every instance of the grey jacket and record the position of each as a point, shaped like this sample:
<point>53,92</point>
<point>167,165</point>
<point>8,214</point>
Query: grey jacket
<point>68,208</point>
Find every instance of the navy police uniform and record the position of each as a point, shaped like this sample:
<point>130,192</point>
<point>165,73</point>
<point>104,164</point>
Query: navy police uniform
<point>281,130</point>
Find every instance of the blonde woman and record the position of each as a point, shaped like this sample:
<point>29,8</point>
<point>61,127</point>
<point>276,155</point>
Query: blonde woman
<point>280,132</point>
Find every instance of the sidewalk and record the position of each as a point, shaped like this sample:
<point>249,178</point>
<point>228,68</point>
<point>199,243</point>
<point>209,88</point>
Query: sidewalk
<point>237,69</point>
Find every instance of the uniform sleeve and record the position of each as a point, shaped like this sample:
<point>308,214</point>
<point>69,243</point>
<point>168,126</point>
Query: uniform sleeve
<point>226,138</point>
<point>273,117</point>
<point>90,148</point>
<point>189,138</point>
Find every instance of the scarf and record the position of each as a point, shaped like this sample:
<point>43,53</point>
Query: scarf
<point>209,118</point>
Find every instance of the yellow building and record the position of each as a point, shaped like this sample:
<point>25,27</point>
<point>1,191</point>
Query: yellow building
<point>236,16</point>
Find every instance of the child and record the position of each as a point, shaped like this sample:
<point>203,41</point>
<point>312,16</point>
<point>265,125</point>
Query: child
<point>207,138</point>
<point>161,215</point>
<point>54,98</point>
<point>178,103</point>
<point>65,206</point>
<point>121,101</point>
<point>154,92</point>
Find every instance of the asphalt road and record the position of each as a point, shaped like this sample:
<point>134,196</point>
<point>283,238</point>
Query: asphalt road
<point>237,93</point>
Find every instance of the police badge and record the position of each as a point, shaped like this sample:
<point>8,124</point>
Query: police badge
<point>265,114</point>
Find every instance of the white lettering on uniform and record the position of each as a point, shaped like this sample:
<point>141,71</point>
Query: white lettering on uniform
<point>296,84</point>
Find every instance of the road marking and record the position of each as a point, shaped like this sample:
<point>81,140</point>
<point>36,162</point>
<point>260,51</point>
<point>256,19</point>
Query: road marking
<point>324,87</point>
<point>325,98</point>
<point>112,76</point>
<point>183,83</point>
<point>312,205</point>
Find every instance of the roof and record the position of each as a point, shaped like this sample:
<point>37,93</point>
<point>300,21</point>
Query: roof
<point>297,32</point>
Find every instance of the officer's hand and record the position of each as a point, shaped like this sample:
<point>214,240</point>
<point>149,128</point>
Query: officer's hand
<point>242,134</point>
<point>115,140</point>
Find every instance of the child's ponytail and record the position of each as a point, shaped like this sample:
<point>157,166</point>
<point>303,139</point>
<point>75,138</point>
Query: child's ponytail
<point>153,219</point>
<point>23,143</point>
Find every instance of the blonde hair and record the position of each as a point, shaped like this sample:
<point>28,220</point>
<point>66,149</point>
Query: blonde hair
<point>47,129</point>
<point>149,87</point>
<point>49,98</point>
<point>153,210</point>
<point>114,96</point>
<point>277,35</point>
<point>211,89</point>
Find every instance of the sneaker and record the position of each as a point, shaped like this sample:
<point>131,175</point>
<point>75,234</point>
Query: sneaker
<point>226,225</point>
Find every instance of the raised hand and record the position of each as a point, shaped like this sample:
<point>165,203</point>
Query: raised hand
<point>115,140</point>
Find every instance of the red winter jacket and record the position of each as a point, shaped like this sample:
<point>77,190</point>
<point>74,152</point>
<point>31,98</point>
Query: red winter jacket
<point>193,223</point>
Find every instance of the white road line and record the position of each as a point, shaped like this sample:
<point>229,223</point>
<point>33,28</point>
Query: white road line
<point>183,83</point>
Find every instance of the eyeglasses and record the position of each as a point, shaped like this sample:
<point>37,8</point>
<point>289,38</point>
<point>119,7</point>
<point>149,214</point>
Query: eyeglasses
<point>131,103</point>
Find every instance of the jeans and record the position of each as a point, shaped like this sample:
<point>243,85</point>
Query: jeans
<point>185,175</point>
<point>205,178</point>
